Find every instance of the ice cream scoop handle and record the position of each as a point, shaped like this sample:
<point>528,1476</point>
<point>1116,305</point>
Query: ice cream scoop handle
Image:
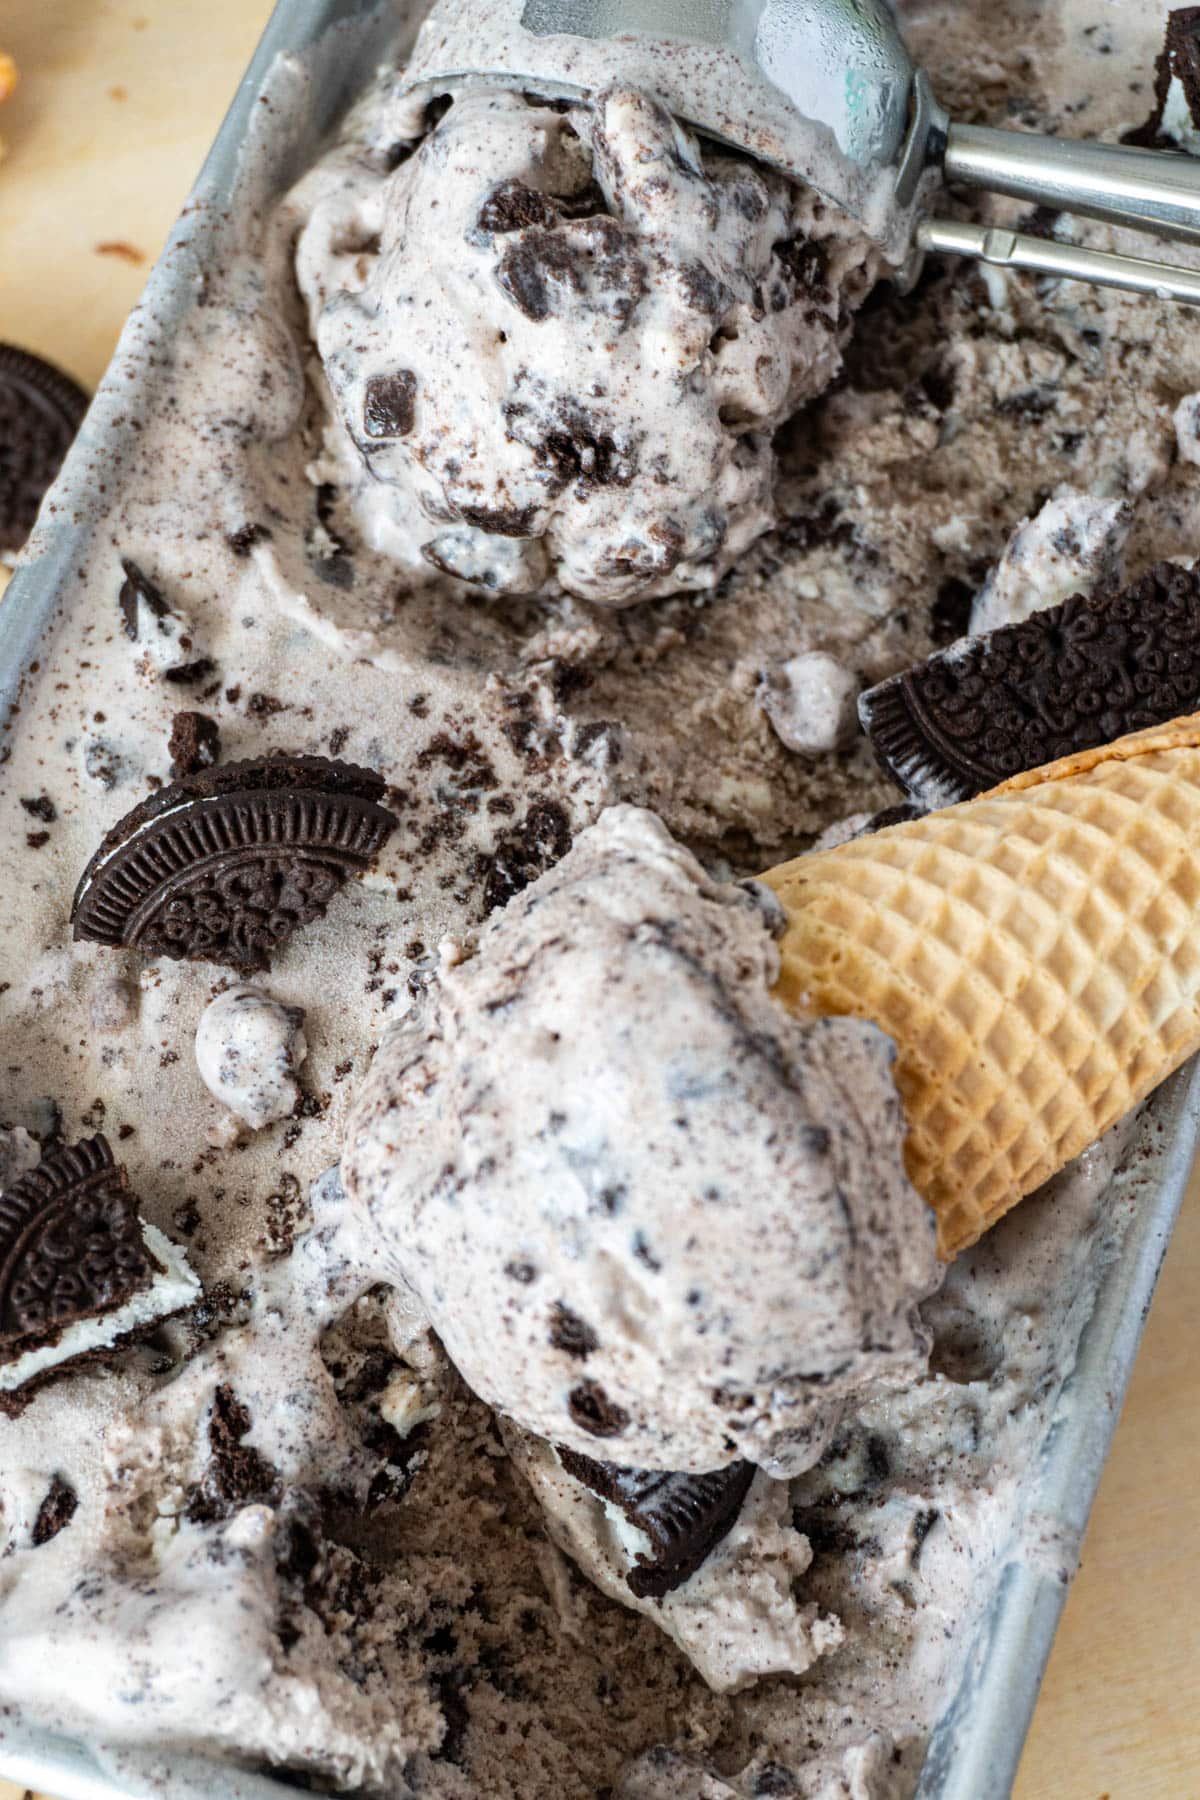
<point>1151,190</point>
<point>1014,250</point>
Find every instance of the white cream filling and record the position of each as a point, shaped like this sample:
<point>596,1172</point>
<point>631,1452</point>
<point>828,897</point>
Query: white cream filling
<point>1177,119</point>
<point>173,1289</point>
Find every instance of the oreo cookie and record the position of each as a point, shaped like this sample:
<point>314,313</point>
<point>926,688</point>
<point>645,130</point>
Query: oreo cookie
<point>225,865</point>
<point>1061,681</point>
<point>70,1246</point>
<point>40,412</point>
<point>684,1516</point>
<point>80,1272</point>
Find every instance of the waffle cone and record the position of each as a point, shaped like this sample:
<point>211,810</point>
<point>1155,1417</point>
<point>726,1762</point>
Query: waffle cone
<point>1034,954</point>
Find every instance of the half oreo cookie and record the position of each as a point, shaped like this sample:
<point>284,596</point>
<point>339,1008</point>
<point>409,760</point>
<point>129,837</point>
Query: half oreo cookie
<point>684,1516</point>
<point>40,412</point>
<point>79,1271</point>
<point>1060,681</point>
<point>226,864</point>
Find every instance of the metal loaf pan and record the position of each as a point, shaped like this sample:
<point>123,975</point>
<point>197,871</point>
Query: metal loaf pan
<point>976,1744</point>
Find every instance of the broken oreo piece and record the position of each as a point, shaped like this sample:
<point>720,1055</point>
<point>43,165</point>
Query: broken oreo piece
<point>513,206</point>
<point>1061,681</point>
<point>40,411</point>
<point>684,1516</point>
<point>195,743</point>
<point>137,590</point>
<point>900,814</point>
<point>226,864</point>
<point>56,1511</point>
<point>79,1270</point>
<point>237,1475</point>
<point>1178,60</point>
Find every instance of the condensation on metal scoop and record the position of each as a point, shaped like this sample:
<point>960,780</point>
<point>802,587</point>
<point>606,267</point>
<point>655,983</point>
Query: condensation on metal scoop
<point>840,64</point>
<point>822,92</point>
<point>826,91</point>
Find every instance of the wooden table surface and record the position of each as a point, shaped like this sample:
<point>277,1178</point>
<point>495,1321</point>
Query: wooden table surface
<point>117,104</point>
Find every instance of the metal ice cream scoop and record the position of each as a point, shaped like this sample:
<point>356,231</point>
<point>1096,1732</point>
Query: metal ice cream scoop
<point>826,91</point>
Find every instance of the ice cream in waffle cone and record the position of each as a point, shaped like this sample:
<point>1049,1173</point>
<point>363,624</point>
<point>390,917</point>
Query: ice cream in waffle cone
<point>1033,953</point>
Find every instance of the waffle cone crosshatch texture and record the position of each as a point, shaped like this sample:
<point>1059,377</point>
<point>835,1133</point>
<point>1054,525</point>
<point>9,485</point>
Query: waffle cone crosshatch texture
<point>1033,954</point>
<point>364,1571</point>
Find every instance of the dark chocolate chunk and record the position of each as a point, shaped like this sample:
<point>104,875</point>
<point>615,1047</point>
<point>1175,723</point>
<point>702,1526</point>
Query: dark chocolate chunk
<point>195,743</point>
<point>1061,681</point>
<point>56,1511</point>
<point>71,1246</point>
<point>224,865</point>
<point>42,807</point>
<point>40,412</point>
<point>684,1516</point>
<point>389,405</point>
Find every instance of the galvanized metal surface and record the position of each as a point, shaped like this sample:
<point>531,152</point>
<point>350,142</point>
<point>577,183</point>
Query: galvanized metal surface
<point>977,1743</point>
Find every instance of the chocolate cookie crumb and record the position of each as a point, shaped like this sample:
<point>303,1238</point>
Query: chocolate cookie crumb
<point>191,674</point>
<point>56,1511</point>
<point>594,1412</point>
<point>571,1334</point>
<point>511,206</point>
<point>243,540</point>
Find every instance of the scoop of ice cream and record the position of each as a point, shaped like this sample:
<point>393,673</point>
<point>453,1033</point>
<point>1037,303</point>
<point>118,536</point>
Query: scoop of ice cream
<point>564,362</point>
<point>652,1215</point>
<point>248,1049</point>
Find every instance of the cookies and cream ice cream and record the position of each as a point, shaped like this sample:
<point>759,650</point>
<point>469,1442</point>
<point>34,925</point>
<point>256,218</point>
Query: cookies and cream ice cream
<point>373,1592</point>
<point>560,340</point>
<point>650,1215</point>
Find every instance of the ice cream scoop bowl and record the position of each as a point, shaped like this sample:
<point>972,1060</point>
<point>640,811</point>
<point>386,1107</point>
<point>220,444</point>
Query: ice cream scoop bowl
<point>826,90</point>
